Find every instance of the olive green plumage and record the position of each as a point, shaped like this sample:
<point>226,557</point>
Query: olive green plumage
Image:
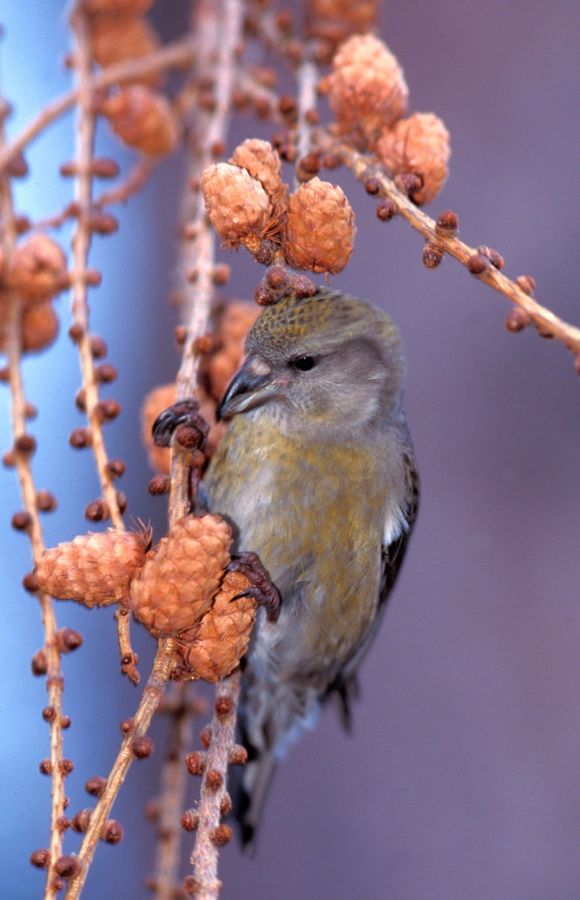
<point>317,473</point>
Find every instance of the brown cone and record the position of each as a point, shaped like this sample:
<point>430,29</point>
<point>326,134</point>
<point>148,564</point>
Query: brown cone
<point>38,269</point>
<point>335,20</point>
<point>94,569</point>
<point>39,326</point>
<point>366,89</point>
<point>223,635</point>
<point>143,119</point>
<point>320,229</point>
<point>116,37</point>
<point>120,7</point>
<point>237,205</point>
<point>262,162</point>
<point>419,145</point>
<point>181,575</point>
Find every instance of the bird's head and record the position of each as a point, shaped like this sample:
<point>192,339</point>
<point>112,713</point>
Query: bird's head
<point>329,359</point>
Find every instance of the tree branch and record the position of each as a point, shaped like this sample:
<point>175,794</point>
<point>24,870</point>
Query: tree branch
<point>175,55</point>
<point>367,166</point>
<point>81,243</point>
<point>201,253</point>
<point>210,834</point>
<point>28,491</point>
<point>182,713</point>
<point>134,182</point>
<point>307,77</point>
<point>152,695</point>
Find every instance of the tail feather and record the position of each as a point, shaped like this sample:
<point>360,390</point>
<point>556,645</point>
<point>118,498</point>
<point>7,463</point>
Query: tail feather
<point>273,713</point>
<point>250,797</point>
<point>345,691</point>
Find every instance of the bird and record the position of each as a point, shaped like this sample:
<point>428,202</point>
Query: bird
<point>317,475</point>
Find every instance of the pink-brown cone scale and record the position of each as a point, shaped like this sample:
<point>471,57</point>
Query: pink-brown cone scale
<point>181,575</point>
<point>223,635</point>
<point>94,569</point>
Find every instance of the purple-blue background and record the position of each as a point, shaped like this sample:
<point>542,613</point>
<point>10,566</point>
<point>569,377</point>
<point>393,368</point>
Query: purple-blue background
<point>462,777</point>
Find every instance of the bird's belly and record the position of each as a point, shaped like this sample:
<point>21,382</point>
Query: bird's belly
<point>316,525</point>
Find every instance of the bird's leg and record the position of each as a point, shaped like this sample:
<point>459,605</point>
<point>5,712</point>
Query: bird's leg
<point>182,427</point>
<point>262,589</point>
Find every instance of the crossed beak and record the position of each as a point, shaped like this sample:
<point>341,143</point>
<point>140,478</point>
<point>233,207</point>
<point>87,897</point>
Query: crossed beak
<point>251,386</point>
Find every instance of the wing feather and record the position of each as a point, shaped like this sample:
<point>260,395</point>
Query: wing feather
<point>345,685</point>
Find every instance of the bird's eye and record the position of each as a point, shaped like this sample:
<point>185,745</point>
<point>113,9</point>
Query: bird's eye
<point>303,363</point>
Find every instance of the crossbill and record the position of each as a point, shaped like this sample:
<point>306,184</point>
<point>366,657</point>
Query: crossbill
<point>317,474</point>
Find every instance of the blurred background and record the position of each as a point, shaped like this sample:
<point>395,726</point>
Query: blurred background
<point>461,779</point>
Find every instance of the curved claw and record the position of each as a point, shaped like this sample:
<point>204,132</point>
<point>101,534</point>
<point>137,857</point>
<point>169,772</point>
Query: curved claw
<point>184,412</point>
<point>262,589</point>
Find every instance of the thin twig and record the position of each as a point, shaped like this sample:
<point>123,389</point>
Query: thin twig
<point>307,77</point>
<point>152,695</point>
<point>198,255</point>
<point>364,166</point>
<point>204,858</point>
<point>201,254</point>
<point>28,491</point>
<point>55,221</point>
<point>174,55</point>
<point>264,22</point>
<point>174,779</point>
<point>257,94</point>
<point>134,182</point>
<point>81,243</point>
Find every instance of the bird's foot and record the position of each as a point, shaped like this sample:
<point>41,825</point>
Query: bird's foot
<point>262,588</point>
<point>182,422</point>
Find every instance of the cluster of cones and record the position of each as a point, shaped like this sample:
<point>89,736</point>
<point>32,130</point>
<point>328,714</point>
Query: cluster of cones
<point>181,588</point>
<point>249,204</point>
<point>185,587</point>
<point>369,96</point>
